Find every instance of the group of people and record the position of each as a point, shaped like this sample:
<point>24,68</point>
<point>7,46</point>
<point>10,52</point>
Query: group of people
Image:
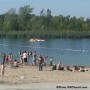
<point>24,57</point>
<point>6,58</point>
<point>58,66</point>
<point>68,68</point>
<point>39,61</point>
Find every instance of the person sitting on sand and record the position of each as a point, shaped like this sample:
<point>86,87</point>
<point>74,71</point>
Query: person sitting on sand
<point>76,68</point>
<point>58,67</point>
<point>15,64</point>
<point>82,69</point>
<point>68,68</point>
<point>54,67</point>
<point>2,69</point>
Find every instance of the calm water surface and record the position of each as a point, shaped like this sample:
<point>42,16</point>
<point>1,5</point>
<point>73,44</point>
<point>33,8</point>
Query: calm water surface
<point>68,51</point>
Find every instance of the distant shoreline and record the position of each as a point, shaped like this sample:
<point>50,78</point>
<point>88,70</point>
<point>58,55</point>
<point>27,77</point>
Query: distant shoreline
<point>45,34</point>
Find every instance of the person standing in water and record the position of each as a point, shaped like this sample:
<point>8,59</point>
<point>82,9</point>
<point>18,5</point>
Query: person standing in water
<point>25,58</point>
<point>51,61</point>
<point>34,58</point>
<point>10,57</point>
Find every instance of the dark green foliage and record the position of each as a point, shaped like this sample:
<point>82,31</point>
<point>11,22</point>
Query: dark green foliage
<point>24,24</point>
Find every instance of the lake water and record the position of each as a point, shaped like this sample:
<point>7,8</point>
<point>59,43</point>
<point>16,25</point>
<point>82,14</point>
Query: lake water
<point>68,51</point>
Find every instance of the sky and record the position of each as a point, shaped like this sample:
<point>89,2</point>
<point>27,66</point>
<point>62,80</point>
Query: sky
<point>78,8</point>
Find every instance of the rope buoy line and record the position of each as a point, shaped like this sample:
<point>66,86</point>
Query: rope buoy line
<point>75,50</point>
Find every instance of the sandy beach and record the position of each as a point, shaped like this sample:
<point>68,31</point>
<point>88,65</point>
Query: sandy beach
<point>30,74</point>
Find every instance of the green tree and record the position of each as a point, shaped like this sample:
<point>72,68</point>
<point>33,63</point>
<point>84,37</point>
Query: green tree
<point>11,20</point>
<point>24,17</point>
<point>1,21</point>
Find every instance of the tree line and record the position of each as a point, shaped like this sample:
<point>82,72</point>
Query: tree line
<point>24,24</point>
